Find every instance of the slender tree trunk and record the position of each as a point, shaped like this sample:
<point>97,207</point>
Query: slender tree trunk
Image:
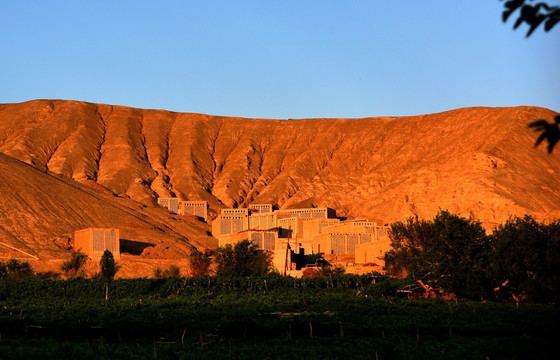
<point>106,291</point>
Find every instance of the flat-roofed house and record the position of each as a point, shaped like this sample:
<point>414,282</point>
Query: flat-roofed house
<point>260,208</point>
<point>227,224</point>
<point>262,221</point>
<point>373,252</point>
<point>291,227</point>
<point>315,213</point>
<point>237,211</point>
<point>172,204</point>
<point>94,241</point>
<point>264,239</point>
<point>194,208</point>
<point>342,239</point>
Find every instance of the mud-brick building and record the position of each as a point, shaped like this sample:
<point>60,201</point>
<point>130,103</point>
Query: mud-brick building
<point>314,213</point>
<point>94,241</point>
<point>172,204</point>
<point>264,239</point>
<point>227,224</point>
<point>237,211</point>
<point>339,243</point>
<point>260,208</point>
<point>292,227</point>
<point>373,252</point>
<point>194,208</point>
<point>262,221</point>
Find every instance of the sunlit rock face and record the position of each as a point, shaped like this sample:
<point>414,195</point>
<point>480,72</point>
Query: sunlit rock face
<point>102,165</point>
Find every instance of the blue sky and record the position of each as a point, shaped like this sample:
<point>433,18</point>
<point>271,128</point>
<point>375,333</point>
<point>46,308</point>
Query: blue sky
<point>277,58</point>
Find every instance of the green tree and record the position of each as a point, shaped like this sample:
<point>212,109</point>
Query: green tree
<point>199,264</point>
<point>243,259</point>
<point>171,271</point>
<point>450,252</point>
<point>532,15</point>
<point>16,270</point>
<point>75,265</point>
<point>108,269</point>
<point>526,260</point>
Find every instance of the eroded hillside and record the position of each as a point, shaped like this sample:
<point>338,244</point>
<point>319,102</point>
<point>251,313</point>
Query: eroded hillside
<point>476,160</point>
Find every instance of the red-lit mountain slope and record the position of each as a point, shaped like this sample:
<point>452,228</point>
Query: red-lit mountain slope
<point>475,160</point>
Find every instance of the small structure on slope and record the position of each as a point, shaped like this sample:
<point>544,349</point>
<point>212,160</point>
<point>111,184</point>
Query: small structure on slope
<point>94,241</point>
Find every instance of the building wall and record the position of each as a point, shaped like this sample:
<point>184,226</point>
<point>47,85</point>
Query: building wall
<point>316,226</point>
<point>315,213</point>
<point>195,208</point>
<point>94,241</point>
<point>172,204</point>
<point>261,208</point>
<point>292,227</point>
<point>227,224</point>
<point>239,211</point>
<point>339,243</point>
<point>262,221</point>
<point>264,239</point>
<point>373,252</point>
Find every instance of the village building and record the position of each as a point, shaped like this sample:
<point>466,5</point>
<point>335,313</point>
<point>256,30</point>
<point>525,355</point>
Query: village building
<point>373,252</point>
<point>291,227</point>
<point>94,241</point>
<point>172,204</point>
<point>315,213</point>
<point>237,211</point>
<point>299,231</point>
<point>260,208</point>
<point>311,228</point>
<point>343,238</point>
<point>264,239</point>
<point>230,223</point>
<point>262,221</point>
<point>194,208</point>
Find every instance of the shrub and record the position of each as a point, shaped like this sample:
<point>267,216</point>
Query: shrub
<point>15,269</point>
<point>526,260</point>
<point>309,272</point>
<point>170,272</point>
<point>243,259</point>
<point>450,252</point>
<point>199,264</point>
<point>73,267</point>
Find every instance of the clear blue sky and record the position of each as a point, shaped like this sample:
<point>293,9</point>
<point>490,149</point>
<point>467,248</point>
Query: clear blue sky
<point>277,58</point>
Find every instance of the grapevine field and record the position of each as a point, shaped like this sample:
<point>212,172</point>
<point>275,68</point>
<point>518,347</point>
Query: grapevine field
<point>346,317</point>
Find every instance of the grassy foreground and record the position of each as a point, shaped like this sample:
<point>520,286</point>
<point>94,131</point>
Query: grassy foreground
<point>265,318</point>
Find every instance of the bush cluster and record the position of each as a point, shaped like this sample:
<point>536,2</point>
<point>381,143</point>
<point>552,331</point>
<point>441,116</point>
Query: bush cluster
<point>519,260</point>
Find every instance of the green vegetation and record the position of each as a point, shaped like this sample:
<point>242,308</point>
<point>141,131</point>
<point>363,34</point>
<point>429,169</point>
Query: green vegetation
<point>243,259</point>
<point>108,269</point>
<point>200,264</point>
<point>248,312</point>
<point>15,269</point>
<point>519,261</point>
<point>74,267</point>
<point>526,260</point>
<point>348,317</point>
<point>173,271</point>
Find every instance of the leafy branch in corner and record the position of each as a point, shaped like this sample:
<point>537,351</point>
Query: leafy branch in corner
<point>532,15</point>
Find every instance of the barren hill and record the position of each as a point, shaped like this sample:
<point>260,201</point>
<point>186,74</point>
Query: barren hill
<point>103,165</point>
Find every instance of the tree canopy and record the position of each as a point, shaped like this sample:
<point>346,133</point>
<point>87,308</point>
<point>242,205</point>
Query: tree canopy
<point>520,260</point>
<point>243,259</point>
<point>450,252</point>
<point>199,264</point>
<point>526,260</point>
<point>74,266</point>
<point>108,266</point>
